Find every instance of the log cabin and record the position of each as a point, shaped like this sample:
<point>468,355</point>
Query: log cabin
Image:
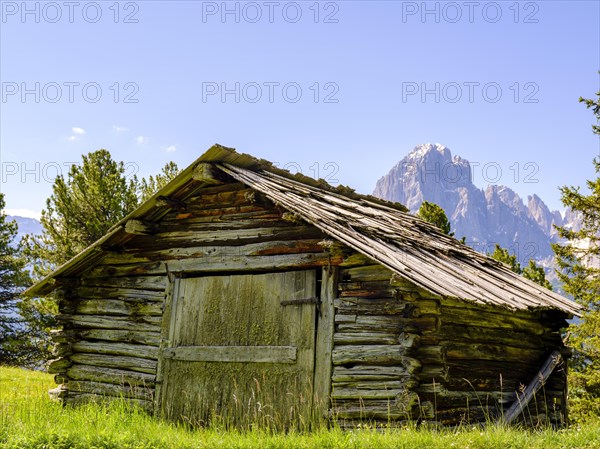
<point>242,292</point>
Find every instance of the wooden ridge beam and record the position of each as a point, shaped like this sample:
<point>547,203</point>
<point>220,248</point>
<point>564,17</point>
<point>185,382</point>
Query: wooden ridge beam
<point>140,227</point>
<point>172,203</point>
<point>209,174</point>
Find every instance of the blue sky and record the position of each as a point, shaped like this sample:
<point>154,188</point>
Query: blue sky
<point>339,89</point>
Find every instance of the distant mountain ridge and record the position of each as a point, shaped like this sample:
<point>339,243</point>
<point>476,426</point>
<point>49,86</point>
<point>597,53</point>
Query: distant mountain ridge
<point>496,214</point>
<point>26,226</point>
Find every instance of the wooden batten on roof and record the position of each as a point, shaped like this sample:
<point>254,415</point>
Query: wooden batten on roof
<point>383,231</point>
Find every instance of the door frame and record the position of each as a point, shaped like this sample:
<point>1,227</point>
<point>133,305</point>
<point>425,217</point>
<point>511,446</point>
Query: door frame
<point>324,329</point>
<point>169,305</point>
<point>324,341</point>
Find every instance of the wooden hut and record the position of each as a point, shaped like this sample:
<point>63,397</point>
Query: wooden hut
<point>242,291</point>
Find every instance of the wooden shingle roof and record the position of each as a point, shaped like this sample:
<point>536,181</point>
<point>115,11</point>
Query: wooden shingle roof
<point>404,243</point>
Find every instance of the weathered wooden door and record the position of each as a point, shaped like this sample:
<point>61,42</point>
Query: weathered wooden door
<point>241,348</point>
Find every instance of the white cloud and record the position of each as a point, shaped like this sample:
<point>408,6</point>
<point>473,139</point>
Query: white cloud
<point>77,132</point>
<point>23,213</point>
<point>171,149</point>
<point>141,140</point>
<point>120,129</point>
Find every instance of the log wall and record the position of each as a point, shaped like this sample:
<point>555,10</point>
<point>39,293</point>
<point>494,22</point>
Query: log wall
<point>376,358</point>
<point>401,353</point>
<point>488,355</point>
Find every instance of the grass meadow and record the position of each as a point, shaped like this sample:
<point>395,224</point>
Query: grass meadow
<point>30,419</point>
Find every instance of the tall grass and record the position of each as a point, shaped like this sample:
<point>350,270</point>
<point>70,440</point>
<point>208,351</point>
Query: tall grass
<point>29,419</point>
<point>264,403</point>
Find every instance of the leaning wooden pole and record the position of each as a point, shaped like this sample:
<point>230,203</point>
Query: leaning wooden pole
<point>538,382</point>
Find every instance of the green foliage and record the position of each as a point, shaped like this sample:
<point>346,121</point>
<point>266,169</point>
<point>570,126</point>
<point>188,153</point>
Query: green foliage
<point>578,262</point>
<point>83,207</point>
<point>502,255</point>
<point>12,274</point>
<point>80,210</point>
<point>584,376</point>
<point>19,343</point>
<point>577,258</point>
<point>594,105</point>
<point>435,215</point>
<point>536,274</point>
<point>531,271</point>
<point>147,188</point>
<point>29,419</point>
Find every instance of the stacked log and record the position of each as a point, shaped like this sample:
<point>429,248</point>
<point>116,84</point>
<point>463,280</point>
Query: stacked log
<point>377,330</point>
<point>111,329</point>
<point>403,353</point>
<point>487,355</point>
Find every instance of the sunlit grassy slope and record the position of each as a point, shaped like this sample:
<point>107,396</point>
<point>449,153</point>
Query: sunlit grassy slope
<point>29,419</point>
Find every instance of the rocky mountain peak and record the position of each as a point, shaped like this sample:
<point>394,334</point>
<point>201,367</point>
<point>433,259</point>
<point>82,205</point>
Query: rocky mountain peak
<point>507,196</point>
<point>427,173</point>
<point>425,149</point>
<point>542,215</point>
<point>496,214</point>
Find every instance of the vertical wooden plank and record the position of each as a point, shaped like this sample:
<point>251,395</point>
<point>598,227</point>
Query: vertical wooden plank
<point>564,403</point>
<point>302,319</point>
<point>324,343</point>
<point>188,310</point>
<point>166,329</point>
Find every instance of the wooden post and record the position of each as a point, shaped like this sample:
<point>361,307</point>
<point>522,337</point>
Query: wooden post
<point>324,342</point>
<point>166,330</point>
<point>538,382</point>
